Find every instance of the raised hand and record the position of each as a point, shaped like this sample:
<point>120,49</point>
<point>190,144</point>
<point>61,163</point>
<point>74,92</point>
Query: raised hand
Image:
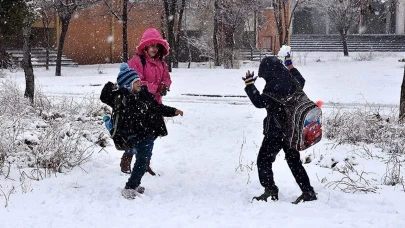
<point>249,79</point>
<point>287,60</point>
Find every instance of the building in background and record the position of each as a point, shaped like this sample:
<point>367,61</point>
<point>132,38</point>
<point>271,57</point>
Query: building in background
<point>380,17</point>
<point>95,36</point>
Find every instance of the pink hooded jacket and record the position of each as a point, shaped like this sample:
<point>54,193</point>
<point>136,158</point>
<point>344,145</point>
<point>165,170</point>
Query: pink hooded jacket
<point>155,71</point>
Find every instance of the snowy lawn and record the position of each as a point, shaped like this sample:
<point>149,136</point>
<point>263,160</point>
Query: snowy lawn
<point>206,177</point>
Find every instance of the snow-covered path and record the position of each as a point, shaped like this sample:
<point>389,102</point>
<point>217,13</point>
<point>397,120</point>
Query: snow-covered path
<point>198,185</point>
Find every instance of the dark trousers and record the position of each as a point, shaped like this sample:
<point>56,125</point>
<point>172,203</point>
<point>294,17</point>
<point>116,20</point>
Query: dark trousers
<point>143,150</point>
<point>267,155</point>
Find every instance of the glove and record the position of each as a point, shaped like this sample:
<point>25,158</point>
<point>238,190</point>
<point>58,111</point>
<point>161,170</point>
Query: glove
<point>249,79</point>
<point>162,89</point>
<point>287,60</point>
<point>112,86</point>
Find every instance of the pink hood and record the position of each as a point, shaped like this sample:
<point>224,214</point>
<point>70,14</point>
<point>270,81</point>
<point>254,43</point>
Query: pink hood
<point>152,36</point>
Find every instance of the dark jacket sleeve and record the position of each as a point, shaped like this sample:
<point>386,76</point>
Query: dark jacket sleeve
<point>157,108</point>
<point>166,111</point>
<point>107,95</point>
<point>298,76</point>
<point>257,99</point>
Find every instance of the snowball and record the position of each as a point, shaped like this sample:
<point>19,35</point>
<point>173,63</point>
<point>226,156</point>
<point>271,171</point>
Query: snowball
<point>284,50</point>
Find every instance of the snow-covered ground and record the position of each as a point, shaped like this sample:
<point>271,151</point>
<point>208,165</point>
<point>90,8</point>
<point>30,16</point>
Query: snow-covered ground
<point>203,164</point>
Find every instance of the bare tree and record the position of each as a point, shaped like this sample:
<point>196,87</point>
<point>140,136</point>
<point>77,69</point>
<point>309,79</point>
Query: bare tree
<point>174,11</point>
<point>283,15</point>
<point>344,14</point>
<point>46,21</point>
<point>282,19</point>
<point>31,14</point>
<point>214,36</point>
<point>230,15</point>
<point>46,13</point>
<point>121,12</point>
<point>65,10</point>
<point>294,7</point>
<point>198,31</point>
<point>26,62</point>
<point>402,99</point>
<point>368,8</point>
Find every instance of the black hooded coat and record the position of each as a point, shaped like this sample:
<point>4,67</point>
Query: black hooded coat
<point>142,115</point>
<point>280,82</point>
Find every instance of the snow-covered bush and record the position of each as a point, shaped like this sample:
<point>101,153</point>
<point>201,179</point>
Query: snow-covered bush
<point>367,125</point>
<point>300,58</point>
<point>52,134</point>
<point>2,73</point>
<point>352,181</point>
<point>368,56</point>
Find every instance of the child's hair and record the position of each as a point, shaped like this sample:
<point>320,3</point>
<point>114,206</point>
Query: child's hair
<point>159,54</point>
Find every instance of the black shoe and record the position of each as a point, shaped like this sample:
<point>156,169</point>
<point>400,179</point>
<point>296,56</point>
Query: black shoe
<point>273,193</point>
<point>306,196</point>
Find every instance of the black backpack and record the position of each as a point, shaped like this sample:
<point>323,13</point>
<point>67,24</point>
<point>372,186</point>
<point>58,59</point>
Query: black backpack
<point>120,139</point>
<point>303,125</point>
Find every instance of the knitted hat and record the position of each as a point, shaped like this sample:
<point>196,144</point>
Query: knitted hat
<point>126,76</point>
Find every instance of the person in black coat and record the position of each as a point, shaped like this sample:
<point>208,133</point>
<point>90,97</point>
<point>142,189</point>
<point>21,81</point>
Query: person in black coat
<point>141,121</point>
<point>281,80</point>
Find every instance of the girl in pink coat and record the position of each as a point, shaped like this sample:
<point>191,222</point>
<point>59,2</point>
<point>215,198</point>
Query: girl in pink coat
<point>153,72</point>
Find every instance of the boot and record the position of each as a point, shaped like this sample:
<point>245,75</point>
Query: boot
<point>268,192</point>
<point>149,169</point>
<point>126,163</point>
<point>130,193</point>
<point>306,196</point>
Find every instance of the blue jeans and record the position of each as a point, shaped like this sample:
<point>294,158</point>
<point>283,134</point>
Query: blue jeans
<point>143,150</point>
<point>133,150</point>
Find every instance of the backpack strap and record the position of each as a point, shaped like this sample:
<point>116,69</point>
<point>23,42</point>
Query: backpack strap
<point>279,99</point>
<point>297,84</point>
<point>143,60</point>
<point>117,109</point>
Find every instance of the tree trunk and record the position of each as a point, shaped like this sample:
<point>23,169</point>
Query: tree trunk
<point>27,65</point>
<point>65,26</point>
<point>170,30</point>
<point>286,27</point>
<point>177,38</point>
<point>279,24</point>
<point>388,22</point>
<point>125,31</point>
<point>343,35</point>
<point>228,47</point>
<point>402,99</point>
<point>45,22</point>
<point>47,49</point>
<point>215,39</point>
